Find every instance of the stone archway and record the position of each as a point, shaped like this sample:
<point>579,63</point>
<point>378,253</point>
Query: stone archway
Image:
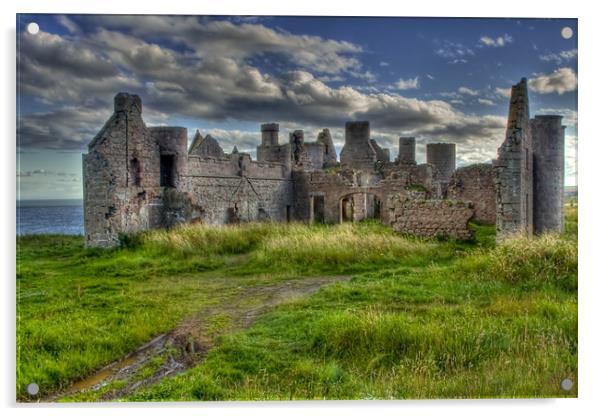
<point>357,206</point>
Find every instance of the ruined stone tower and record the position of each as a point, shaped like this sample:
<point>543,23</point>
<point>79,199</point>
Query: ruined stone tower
<point>407,150</point>
<point>513,169</point>
<point>270,150</point>
<point>358,153</point>
<point>529,171</point>
<point>548,173</point>
<point>443,157</point>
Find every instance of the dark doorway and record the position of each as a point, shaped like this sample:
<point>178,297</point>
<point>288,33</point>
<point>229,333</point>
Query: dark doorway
<point>318,209</point>
<point>168,171</point>
<point>347,209</point>
<point>288,213</point>
<point>378,206</point>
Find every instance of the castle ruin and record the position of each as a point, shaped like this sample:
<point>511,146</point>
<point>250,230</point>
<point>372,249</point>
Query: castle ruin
<point>138,178</point>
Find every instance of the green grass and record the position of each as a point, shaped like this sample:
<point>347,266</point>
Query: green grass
<point>419,319</point>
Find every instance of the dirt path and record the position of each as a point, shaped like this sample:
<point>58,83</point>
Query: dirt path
<point>187,345</point>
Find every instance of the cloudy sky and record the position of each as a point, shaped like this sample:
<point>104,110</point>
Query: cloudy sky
<point>441,80</point>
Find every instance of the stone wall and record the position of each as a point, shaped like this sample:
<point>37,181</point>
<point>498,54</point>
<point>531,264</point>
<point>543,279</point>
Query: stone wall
<point>224,200</point>
<point>280,154</point>
<point>315,155</point>
<point>428,218</point>
<point>366,191</point>
<point>121,176</point>
<point>212,166</point>
<point>474,184</point>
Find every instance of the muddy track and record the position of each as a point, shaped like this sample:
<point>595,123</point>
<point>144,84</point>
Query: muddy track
<point>187,345</point>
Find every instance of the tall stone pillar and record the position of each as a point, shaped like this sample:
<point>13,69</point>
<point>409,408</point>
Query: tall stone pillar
<point>513,170</point>
<point>547,133</point>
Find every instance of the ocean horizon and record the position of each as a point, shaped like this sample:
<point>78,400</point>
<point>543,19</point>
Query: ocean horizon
<point>50,216</point>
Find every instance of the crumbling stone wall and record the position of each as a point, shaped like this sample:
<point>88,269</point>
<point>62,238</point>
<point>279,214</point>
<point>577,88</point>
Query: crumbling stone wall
<point>298,156</point>
<point>428,218</point>
<point>382,154</point>
<point>315,155</point>
<point>121,176</point>
<point>224,200</point>
<point>474,184</point>
<point>364,190</point>
<point>330,154</point>
<point>237,189</point>
<point>513,169</point>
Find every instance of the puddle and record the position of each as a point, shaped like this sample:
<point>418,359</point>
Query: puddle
<point>188,344</point>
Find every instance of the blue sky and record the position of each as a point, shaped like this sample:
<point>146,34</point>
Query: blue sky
<point>441,80</point>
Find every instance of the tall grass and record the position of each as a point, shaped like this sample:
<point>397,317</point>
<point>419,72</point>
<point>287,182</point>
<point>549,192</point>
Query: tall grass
<point>287,247</point>
<point>549,258</point>
<point>209,239</point>
<point>339,245</point>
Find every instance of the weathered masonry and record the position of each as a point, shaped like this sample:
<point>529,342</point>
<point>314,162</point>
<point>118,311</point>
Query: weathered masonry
<point>138,178</point>
<point>529,171</point>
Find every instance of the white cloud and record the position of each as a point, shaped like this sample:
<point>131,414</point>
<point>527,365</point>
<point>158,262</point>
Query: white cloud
<point>559,57</point>
<point>455,51</point>
<point>467,91</point>
<point>429,76</point>
<point>498,42</point>
<point>503,92</point>
<point>368,76</point>
<point>560,81</point>
<point>408,84</point>
<point>485,101</point>
<point>382,63</point>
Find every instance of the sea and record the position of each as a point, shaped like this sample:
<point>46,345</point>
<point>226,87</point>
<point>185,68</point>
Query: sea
<point>50,216</point>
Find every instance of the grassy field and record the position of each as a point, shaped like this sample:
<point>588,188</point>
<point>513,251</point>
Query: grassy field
<point>417,318</point>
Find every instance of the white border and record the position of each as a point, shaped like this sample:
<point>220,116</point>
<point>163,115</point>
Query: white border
<point>589,149</point>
